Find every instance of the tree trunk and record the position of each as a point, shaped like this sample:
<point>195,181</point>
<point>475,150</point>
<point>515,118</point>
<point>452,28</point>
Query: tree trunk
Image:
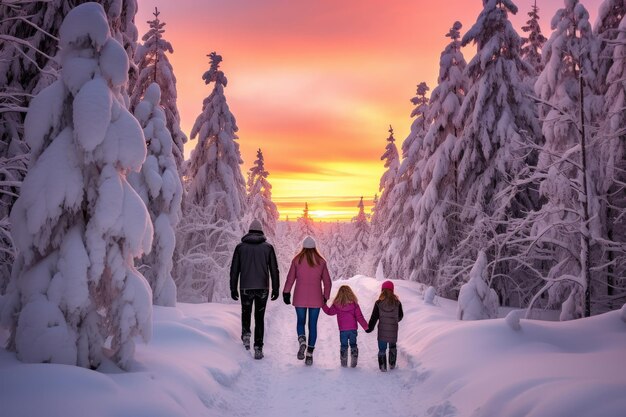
<point>584,238</point>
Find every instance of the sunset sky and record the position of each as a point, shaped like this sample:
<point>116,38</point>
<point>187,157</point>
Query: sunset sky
<point>316,84</point>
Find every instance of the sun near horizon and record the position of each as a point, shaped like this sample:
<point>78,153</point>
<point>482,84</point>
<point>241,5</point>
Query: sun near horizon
<point>316,85</point>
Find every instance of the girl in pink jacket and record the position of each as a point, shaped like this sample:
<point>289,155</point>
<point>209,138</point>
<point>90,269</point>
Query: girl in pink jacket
<point>346,307</point>
<point>309,273</point>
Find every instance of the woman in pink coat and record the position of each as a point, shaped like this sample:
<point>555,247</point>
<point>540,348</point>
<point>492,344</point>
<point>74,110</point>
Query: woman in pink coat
<point>309,273</point>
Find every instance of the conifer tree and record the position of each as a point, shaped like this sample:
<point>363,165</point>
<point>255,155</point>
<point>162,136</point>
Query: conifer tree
<point>338,261</point>
<point>306,227</point>
<point>497,116</point>
<point>153,66</point>
<point>215,201</point>
<point>29,33</point>
<point>436,216</point>
<point>382,207</point>
<point>607,30</point>
<point>78,224</point>
<point>406,190</point>
<point>532,45</point>
<point>568,84</point>
<point>158,184</point>
<point>260,204</point>
<point>612,173</point>
<point>360,240</point>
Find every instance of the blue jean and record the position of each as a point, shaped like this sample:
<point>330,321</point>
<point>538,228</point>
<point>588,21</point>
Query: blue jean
<point>382,347</point>
<point>347,336</point>
<point>314,314</point>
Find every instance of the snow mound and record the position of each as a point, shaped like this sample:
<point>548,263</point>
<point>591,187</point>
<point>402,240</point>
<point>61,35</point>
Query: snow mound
<point>476,300</point>
<point>513,318</point>
<point>429,295</point>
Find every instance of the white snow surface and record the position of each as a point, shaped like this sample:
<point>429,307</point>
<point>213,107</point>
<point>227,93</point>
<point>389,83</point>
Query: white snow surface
<point>195,365</point>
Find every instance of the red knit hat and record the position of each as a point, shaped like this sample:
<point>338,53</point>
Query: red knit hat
<point>388,285</point>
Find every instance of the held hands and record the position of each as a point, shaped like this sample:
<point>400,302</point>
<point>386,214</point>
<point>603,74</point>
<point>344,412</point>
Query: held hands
<point>369,330</point>
<point>274,295</point>
<point>287,297</point>
<point>234,294</point>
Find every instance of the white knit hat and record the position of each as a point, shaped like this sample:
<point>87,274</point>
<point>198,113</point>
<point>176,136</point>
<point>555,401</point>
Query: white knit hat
<point>309,243</point>
<point>256,225</point>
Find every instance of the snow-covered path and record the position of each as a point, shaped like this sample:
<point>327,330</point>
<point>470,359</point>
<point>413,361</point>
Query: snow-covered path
<point>281,385</point>
<point>195,366</point>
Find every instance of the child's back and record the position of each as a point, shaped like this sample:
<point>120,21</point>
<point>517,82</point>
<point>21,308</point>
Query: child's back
<point>348,316</point>
<point>387,313</point>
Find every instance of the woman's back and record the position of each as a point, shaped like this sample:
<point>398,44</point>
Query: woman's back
<point>308,274</point>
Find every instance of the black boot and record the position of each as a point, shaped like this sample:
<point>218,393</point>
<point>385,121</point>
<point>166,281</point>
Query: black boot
<point>393,355</point>
<point>308,360</point>
<point>343,355</point>
<point>258,352</point>
<point>245,338</point>
<point>302,348</point>
<point>382,363</point>
<point>354,356</point>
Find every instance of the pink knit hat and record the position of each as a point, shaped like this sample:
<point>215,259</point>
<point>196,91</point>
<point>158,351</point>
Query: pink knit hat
<point>388,285</point>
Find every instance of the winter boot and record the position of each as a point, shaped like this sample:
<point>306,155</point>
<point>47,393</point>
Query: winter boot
<point>343,355</point>
<point>308,361</point>
<point>245,338</point>
<point>354,357</point>
<point>258,352</point>
<point>302,348</point>
<point>382,363</point>
<point>393,355</point>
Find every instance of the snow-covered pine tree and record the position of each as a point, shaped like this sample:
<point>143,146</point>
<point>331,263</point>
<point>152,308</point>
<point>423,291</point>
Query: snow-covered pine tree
<point>338,257</point>
<point>158,185</point>
<point>360,237</point>
<point>610,14</point>
<point>397,257</point>
<point>532,45</point>
<point>153,66</point>
<point>497,117</point>
<point>305,225</point>
<point>436,213</point>
<point>260,204</point>
<point>30,31</point>
<point>375,202</point>
<point>382,207</point>
<point>564,227</point>
<point>29,34</point>
<point>612,175</point>
<point>215,201</point>
<point>78,224</point>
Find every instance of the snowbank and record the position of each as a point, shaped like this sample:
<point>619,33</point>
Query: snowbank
<point>195,366</point>
<point>486,368</point>
<point>182,372</point>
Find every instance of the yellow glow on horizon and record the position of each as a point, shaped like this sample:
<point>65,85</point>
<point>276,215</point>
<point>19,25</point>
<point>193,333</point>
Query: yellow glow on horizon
<point>332,189</point>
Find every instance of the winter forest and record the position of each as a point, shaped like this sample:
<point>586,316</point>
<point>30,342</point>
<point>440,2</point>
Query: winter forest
<point>509,190</point>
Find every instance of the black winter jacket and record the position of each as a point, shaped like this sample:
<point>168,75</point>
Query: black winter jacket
<point>254,260</point>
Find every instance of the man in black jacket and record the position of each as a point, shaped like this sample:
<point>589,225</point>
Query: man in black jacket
<point>255,261</point>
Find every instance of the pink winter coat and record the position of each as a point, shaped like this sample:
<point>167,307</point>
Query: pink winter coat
<point>309,281</point>
<point>347,316</point>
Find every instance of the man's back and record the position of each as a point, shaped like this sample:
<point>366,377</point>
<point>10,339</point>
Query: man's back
<point>253,262</point>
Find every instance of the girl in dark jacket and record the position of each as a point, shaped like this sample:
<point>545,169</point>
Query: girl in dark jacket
<point>388,312</point>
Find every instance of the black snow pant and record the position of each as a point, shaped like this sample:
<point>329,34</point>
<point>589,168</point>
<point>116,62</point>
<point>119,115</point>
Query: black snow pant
<point>259,299</point>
